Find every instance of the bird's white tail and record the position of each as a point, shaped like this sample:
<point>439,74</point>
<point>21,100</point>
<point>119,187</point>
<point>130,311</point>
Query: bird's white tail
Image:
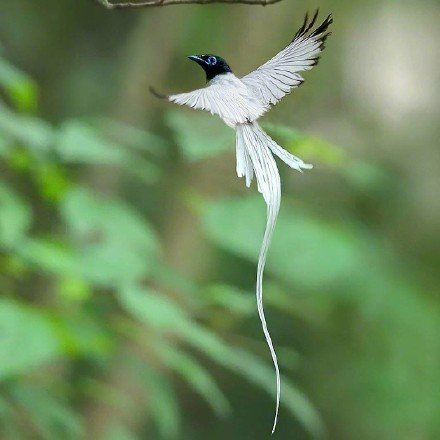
<point>254,156</point>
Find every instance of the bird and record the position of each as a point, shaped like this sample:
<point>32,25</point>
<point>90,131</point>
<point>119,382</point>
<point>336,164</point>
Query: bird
<point>240,102</point>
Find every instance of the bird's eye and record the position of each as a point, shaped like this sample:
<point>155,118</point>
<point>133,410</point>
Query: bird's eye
<point>212,61</point>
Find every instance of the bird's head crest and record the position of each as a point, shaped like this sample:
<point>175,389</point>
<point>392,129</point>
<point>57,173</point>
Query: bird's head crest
<point>213,65</point>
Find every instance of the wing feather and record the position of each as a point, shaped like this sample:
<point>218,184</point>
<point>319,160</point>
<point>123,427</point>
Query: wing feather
<point>226,98</point>
<point>277,77</point>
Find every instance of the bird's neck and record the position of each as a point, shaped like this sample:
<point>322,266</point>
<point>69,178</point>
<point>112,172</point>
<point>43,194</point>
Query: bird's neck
<point>211,74</point>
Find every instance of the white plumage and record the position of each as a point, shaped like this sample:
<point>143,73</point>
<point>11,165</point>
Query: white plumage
<point>225,96</point>
<point>240,102</point>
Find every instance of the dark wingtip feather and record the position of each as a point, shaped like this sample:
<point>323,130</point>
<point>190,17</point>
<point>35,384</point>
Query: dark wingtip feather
<point>306,26</point>
<point>312,22</point>
<point>157,94</point>
<point>301,30</point>
<point>323,26</point>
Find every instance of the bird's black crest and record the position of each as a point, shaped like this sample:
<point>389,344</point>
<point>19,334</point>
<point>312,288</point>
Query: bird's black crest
<point>213,65</point>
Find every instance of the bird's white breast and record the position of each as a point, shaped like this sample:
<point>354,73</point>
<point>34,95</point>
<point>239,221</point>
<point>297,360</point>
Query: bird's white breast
<point>236,98</point>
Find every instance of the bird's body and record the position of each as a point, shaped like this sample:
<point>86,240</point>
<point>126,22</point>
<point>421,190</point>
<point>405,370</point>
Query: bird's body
<point>226,96</point>
<point>240,102</point>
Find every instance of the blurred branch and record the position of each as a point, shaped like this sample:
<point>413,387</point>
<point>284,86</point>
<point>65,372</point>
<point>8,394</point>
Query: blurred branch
<point>142,4</point>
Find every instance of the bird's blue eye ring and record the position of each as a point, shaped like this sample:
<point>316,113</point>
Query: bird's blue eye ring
<point>212,61</point>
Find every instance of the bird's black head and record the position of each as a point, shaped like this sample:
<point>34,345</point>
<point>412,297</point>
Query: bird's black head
<point>213,65</point>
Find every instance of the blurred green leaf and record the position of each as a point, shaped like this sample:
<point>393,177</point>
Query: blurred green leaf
<point>195,375</point>
<point>115,244</point>
<point>79,142</point>
<point>256,371</point>
<point>31,132</point>
<point>199,135</point>
<point>308,148</point>
<point>27,340</point>
<point>262,375</point>
<point>165,409</point>
<point>132,137</point>
<point>231,298</point>
<point>160,312</point>
<point>153,308</point>
<point>169,277</point>
<point>52,181</point>
<point>49,256</point>
<point>367,176</point>
<point>82,334</point>
<point>305,250</point>
<point>20,88</point>
<point>284,132</point>
<point>74,289</point>
<point>15,217</point>
<point>52,417</point>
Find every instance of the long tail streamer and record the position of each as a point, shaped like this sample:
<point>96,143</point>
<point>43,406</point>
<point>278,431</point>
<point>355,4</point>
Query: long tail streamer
<point>254,155</point>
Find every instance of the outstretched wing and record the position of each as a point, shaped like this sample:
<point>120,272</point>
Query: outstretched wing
<point>227,98</point>
<point>275,78</point>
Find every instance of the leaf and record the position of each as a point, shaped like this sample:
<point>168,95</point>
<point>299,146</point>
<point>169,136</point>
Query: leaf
<point>231,298</point>
<point>199,135</point>
<point>115,244</point>
<point>308,148</point>
<point>49,256</point>
<point>20,88</point>
<point>87,214</point>
<point>79,142</point>
<point>52,180</point>
<point>165,409</point>
<point>284,132</point>
<point>370,177</point>
<point>256,371</point>
<point>152,308</point>
<point>82,334</point>
<point>31,132</point>
<point>27,340</point>
<point>195,375</point>
<point>262,375</point>
<point>50,414</point>
<point>132,137</point>
<point>305,250</point>
<point>15,217</point>
<point>161,313</point>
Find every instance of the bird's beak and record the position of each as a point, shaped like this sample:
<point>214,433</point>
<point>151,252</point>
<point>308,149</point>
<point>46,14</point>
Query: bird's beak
<point>197,59</point>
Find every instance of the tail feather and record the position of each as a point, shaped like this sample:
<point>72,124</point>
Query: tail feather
<point>244,164</point>
<point>254,155</point>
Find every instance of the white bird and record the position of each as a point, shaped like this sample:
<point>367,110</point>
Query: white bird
<point>240,102</point>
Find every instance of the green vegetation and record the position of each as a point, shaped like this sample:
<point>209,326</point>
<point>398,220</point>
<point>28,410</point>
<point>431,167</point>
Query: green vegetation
<point>128,246</point>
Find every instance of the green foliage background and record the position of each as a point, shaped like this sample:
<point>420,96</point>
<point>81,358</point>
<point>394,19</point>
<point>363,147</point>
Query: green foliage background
<point>128,246</point>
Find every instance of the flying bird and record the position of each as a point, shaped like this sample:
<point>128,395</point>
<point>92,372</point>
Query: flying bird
<point>240,102</point>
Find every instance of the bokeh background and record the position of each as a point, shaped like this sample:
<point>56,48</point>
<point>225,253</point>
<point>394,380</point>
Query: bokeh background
<point>128,246</point>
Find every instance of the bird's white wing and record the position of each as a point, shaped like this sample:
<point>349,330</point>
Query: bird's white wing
<point>275,78</point>
<point>226,97</point>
